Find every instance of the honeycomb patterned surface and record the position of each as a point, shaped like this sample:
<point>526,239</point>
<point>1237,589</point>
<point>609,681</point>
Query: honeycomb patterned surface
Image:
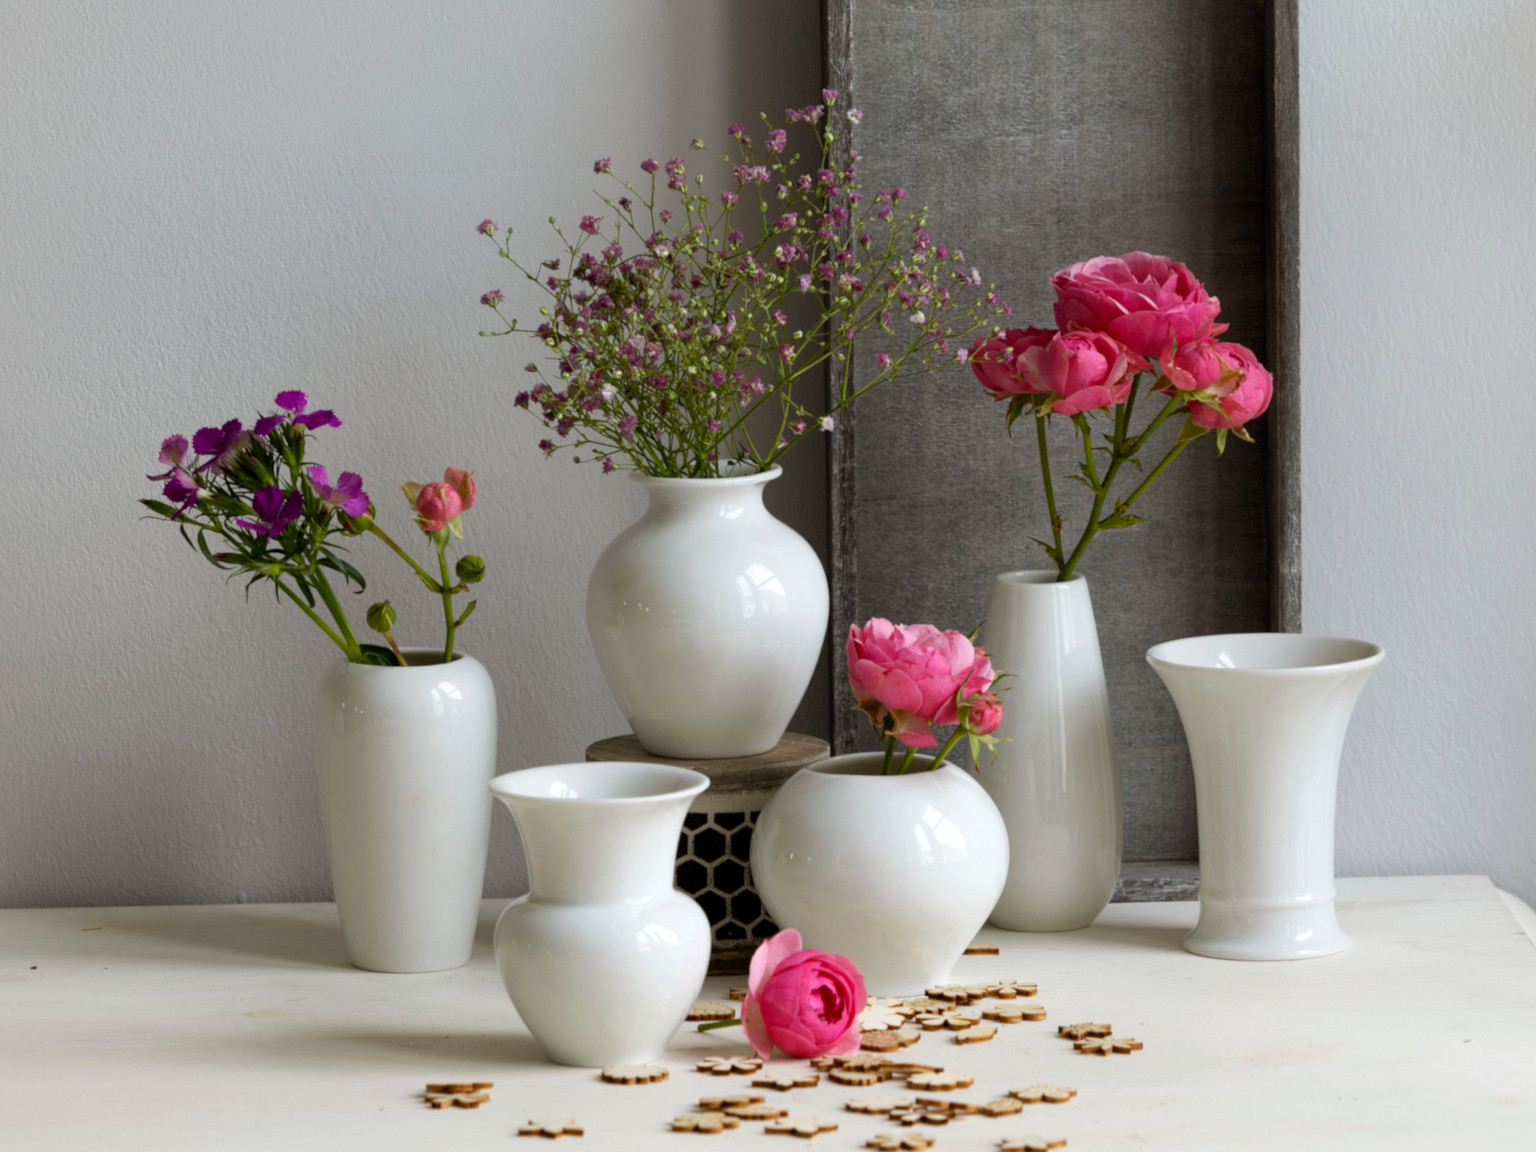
<point>712,855</point>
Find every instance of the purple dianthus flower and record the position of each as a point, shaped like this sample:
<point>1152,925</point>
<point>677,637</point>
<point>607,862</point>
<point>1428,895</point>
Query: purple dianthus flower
<point>347,493</point>
<point>274,511</point>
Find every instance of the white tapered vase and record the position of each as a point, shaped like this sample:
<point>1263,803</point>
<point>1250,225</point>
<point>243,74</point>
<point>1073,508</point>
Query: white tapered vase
<point>1265,715</point>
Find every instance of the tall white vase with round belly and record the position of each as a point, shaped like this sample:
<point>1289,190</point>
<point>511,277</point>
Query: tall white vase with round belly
<point>707,615</point>
<point>1054,780</point>
<point>604,956</point>
<point>403,756</point>
<point>1265,715</point>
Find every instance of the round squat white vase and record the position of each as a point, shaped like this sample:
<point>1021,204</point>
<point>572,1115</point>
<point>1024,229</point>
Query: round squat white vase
<point>707,616</point>
<point>604,957</point>
<point>895,872</point>
<point>1054,779</point>
<point>1265,716</point>
<point>403,756</point>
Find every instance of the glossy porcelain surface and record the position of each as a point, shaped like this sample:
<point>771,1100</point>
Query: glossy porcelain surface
<point>403,756</point>
<point>707,616</point>
<point>895,872</point>
<point>1054,779</point>
<point>1265,715</point>
<point>604,956</point>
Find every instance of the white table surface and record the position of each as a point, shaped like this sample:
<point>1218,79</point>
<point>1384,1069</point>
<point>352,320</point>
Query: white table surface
<point>242,1027</point>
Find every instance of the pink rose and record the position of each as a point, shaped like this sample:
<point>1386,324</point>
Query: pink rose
<point>1145,302</point>
<point>912,674</point>
<point>993,359</point>
<point>807,1003</point>
<point>463,483</point>
<point>1248,400</point>
<point>1084,370</point>
<point>1199,367</point>
<point>436,504</point>
<point>986,713</point>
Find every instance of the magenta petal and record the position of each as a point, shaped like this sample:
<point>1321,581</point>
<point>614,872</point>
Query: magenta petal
<point>319,476</point>
<point>292,401</point>
<point>769,955</point>
<point>849,1042</point>
<point>754,1028</point>
<point>266,424</point>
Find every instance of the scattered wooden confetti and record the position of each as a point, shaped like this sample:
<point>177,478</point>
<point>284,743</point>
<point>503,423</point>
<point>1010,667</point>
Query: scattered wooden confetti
<point>1106,1045</point>
<point>953,1107</point>
<point>1007,1106</point>
<point>635,1074</point>
<point>721,1103</point>
<point>874,1105</point>
<point>959,993</point>
<point>977,948</point>
<point>458,1100</point>
<point>1080,1031</point>
<point>979,1034</point>
<point>704,1011</point>
<point>900,1141</point>
<point>788,1080</point>
<point>1029,1144</point>
<point>737,994</point>
<point>756,1111</point>
<point>890,1040</point>
<point>1009,989</point>
<point>907,1117</point>
<point>453,1089</point>
<point>706,1122</point>
<point>726,1065</point>
<point>1005,1014</point>
<point>1049,1093</point>
<point>857,1077</point>
<point>939,1081</point>
<point>954,1020</point>
<point>880,1014</point>
<point>919,1005</point>
<point>806,1129</point>
<point>552,1129</point>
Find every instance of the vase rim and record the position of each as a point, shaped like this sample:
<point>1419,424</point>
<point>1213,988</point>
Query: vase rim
<point>1287,654</point>
<point>1034,576</point>
<point>608,783</point>
<point>848,765</point>
<point>741,480</point>
<point>409,651</point>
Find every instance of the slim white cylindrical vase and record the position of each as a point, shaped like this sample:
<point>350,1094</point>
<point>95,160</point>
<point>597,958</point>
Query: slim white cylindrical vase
<point>403,756</point>
<point>895,872</point>
<point>1265,715</point>
<point>604,957</point>
<point>1054,779</point>
<point>707,615</point>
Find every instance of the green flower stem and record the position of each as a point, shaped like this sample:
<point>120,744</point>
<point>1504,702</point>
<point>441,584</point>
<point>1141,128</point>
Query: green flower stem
<point>949,745</point>
<point>890,754</point>
<point>1050,495</point>
<point>406,556</point>
<point>713,1024</point>
<point>1173,405</point>
<point>442,557</point>
<point>1155,473</point>
<point>352,648</point>
<point>906,762</point>
<point>308,611</point>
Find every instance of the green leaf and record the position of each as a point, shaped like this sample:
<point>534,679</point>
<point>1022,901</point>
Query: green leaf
<point>1242,434</point>
<point>160,508</point>
<point>303,584</point>
<point>348,573</point>
<point>468,608</point>
<point>378,656</point>
<point>202,544</point>
<point>1015,407</point>
<point>1050,550</point>
<point>1124,520</point>
<point>1221,440</point>
<point>1190,431</point>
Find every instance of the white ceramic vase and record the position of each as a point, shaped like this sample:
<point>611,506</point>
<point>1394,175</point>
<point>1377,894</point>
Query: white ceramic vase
<point>895,872</point>
<point>604,957</point>
<point>403,756</point>
<point>1054,779</point>
<point>707,616</point>
<point>1265,715</point>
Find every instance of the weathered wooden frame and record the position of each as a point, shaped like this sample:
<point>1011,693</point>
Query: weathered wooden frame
<point>1158,879</point>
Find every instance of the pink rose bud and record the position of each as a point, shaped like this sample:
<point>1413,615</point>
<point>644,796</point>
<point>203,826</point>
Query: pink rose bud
<point>436,505</point>
<point>463,483</point>
<point>805,1003</point>
<point>985,715</point>
<point>1248,400</point>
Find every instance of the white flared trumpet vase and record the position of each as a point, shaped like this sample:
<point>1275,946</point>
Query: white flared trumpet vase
<point>1265,715</point>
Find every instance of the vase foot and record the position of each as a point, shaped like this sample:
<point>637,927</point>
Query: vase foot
<point>1237,932</point>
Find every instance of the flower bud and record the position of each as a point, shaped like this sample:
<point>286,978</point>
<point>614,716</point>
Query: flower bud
<point>381,617</point>
<point>470,569</point>
<point>357,525</point>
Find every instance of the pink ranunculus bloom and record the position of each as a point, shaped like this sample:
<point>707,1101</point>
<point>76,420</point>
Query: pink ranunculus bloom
<point>1248,400</point>
<point>995,359</point>
<point>1146,302</point>
<point>437,505</point>
<point>805,1003</point>
<point>463,483</point>
<point>912,673</point>
<point>1084,370</point>
<point>986,713</point>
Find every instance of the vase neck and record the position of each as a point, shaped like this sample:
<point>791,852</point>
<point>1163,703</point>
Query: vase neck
<point>597,852</point>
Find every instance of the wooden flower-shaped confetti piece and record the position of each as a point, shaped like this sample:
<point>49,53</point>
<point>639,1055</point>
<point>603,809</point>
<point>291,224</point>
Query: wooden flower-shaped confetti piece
<point>978,1034</point>
<point>459,1094</point>
<point>953,1107</point>
<point>1009,989</point>
<point>705,1122</point>
<point>900,1141</point>
<point>757,1111</point>
<point>1014,1013</point>
<point>635,1074</point>
<point>907,1117</point>
<point>1107,1045</point>
<point>806,1129</point>
<point>721,1103</point>
<point>737,994</point>
<point>977,948</point>
<point>708,1011</point>
<point>787,1081</point>
<point>1049,1093</point>
<point>880,1014</point>
<point>890,1040</point>
<point>954,1020</point>
<point>1029,1144</point>
<point>1007,1106</point>
<point>939,1081</point>
<point>728,1065</point>
<point>552,1129</point>
<point>1081,1031</point>
<point>875,1105</point>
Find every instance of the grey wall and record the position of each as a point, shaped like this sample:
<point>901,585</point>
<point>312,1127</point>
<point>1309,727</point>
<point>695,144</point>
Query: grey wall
<point>1418,236</point>
<point>202,204</point>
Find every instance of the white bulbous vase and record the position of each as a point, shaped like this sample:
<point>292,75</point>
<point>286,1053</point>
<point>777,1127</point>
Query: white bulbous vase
<point>1054,778</point>
<point>707,616</point>
<point>403,756</point>
<point>895,872</point>
<point>1265,715</point>
<point>604,956</point>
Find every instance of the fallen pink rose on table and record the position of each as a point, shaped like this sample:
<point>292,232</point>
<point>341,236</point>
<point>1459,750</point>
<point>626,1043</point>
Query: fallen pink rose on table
<point>804,1002</point>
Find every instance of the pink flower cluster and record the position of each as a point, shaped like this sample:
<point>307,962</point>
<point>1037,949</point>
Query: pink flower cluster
<point>1117,316</point>
<point>909,677</point>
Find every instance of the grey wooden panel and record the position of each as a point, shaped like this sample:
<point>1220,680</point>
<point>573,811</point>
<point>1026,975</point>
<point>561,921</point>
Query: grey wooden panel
<point>1039,133</point>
